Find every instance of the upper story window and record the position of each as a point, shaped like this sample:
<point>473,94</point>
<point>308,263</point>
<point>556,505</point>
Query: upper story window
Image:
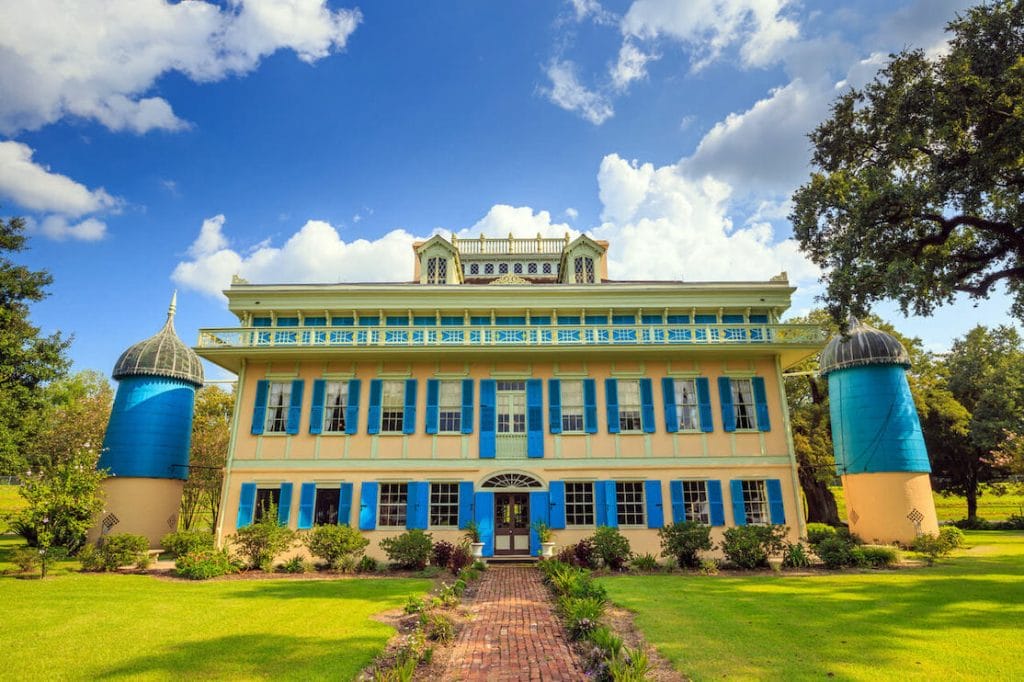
<point>488,268</point>
<point>517,268</point>
<point>449,408</point>
<point>755,502</point>
<point>392,407</point>
<point>584,268</point>
<point>579,503</point>
<point>572,406</point>
<point>629,503</point>
<point>629,406</point>
<point>279,395</point>
<point>437,271</point>
<point>743,403</point>
<point>502,268</point>
<point>511,407</point>
<point>686,404</point>
<point>531,268</point>
<point>334,406</point>
<point>547,268</point>
<point>695,501</point>
<point>474,268</point>
<point>394,499</point>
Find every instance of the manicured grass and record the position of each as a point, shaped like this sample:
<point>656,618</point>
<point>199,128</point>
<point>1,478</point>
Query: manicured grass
<point>10,501</point>
<point>961,619</point>
<point>991,506</point>
<point>90,626</point>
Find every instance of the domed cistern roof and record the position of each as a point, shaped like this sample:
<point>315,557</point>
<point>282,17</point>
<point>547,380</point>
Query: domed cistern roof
<point>161,355</point>
<point>863,345</point>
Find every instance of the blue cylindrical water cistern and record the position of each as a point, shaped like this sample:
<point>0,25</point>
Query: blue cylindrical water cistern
<point>146,447</point>
<point>880,451</point>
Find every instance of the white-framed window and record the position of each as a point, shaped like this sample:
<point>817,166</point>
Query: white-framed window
<point>437,270</point>
<point>547,268</point>
<point>444,505</point>
<point>755,502</point>
<point>584,268</point>
<point>279,396</point>
<point>686,404</point>
<point>335,401</point>
<point>531,268</point>
<point>449,407</point>
<point>629,501</point>
<point>629,406</point>
<point>392,406</point>
<point>695,501</point>
<point>267,500</point>
<point>572,405</point>
<point>517,268</point>
<point>579,503</point>
<point>743,403</point>
<point>393,505</point>
<point>511,406</point>
<point>502,268</point>
<point>325,506</point>
<point>488,268</point>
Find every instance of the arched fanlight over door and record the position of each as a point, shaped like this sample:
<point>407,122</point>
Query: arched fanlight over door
<point>512,480</point>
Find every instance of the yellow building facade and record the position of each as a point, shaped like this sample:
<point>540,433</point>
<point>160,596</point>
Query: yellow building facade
<point>511,382</point>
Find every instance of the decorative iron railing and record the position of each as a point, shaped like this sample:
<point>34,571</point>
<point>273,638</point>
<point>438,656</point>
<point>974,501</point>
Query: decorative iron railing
<point>513,246</point>
<point>549,335</point>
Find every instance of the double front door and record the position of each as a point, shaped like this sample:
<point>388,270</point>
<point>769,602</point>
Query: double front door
<point>511,523</point>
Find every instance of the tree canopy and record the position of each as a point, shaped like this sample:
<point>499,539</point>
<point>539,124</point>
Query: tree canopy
<point>211,431</point>
<point>918,189</point>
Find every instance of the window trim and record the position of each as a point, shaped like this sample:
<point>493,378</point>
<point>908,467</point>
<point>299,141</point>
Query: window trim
<point>271,487</point>
<point>324,421</point>
<point>593,505</point>
<point>582,431</point>
<point>383,404</point>
<point>430,505</point>
<point>268,419</point>
<point>751,406</point>
<point>707,498</point>
<point>455,407</point>
<point>695,406</point>
<point>765,505</point>
<point>331,487</point>
<point>639,406</point>
<point>380,503</point>
<point>619,504</point>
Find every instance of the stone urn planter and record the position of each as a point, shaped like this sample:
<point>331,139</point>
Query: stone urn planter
<point>478,550</point>
<point>547,549</point>
<point>775,563</point>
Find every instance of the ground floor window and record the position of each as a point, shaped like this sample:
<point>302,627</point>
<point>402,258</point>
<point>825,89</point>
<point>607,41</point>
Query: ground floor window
<point>325,508</point>
<point>394,498</point>
<point>695,501</point>
<point>267,499</point>
<point>755,502</point>
<point>444,505</point>
<point>579,503</point>
<point>629,501</point>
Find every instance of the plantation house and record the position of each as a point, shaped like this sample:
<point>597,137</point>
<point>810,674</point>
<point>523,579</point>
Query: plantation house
<point>511,382</point>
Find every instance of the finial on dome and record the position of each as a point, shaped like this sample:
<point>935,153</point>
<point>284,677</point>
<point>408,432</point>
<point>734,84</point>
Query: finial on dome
<point>174,305</point>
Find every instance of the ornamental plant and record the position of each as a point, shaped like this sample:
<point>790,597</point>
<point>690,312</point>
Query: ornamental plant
<point>340,546</point>
<point>750,546</point>
<point>260,542</point>
<point>409,550</point>
<point>684,541</point>
<point>612,547</point>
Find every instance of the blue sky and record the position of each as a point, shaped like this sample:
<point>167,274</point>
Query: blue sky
<point>158,146</point>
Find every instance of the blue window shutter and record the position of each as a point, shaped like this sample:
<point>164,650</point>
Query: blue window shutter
<point>259,410</point>
<point>352,408</point>
<point>368,505</point>
<point>409,417</point>
<point>534,418</point>
<point>589,406</point>
<point>373,414</point>
<point>761,403</point>
<point>611,514</point>
<point>668,394</point>
<point>675,491</point>
<point>776,510</point>
<point>556,497</point>
<point>246,503</point>
<point>539,511</point>
<point>418,500</point>
<point>725,396</point>
<point>600,508</point>
<point>307,496</point>
<point>707,424</point>
<point>295,407</point>
<point>465,503</point>
<point>345,504</point>
<point>715,504</point>
<point>316,410</point>
<point>483,512</point>
<point>655,512</point>
<point>488,424</point>
<point>284,504</point>
<point>555,405</point>
<point>739,512</point>
<point>467,406</point>
<point>647,405</point>
<point>433,389</point>
<point>611,394</point>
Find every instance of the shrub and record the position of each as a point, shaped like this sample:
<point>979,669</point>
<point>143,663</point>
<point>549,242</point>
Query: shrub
<point>441,554</point>
<point>1015,522</point>
<point>409,550</point>
<point>413,604</point>
<point>203,564</point>
<point>438,627</point>
<point>750,546</point>
<point>367,564</point>
<point>611,547</point>
<point>90,558</point>
<point>932,547</point>
<point>645,563</point>
<point>976,523</point>
<point>879,556</point>
<point>582,614</point>
<point>684,541</point>
<point>952,536</point>
<point>124,549</point>
<point>709,566</point>
<point>607,641</point>
<point>835,552</point>
<point>449,595</point>
<point>794,555</point>
<point>816,532</point>
<point>469,573</point>
<point>480,565</point>
<point>26,559</point>
<point>294,565</point>
<point>339,546</point>
<point>631,665</point>
<point>259,543</point>
<point>581,554</point>
<point>185,541</point>
<point>461,557</point>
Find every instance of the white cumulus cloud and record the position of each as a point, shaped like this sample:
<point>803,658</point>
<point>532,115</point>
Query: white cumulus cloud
<point>98,59</point>
<point>567,92</point>
<point>631,65</point>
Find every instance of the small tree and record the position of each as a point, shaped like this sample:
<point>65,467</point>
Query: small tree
<point>211,430</point>
<point>685,540</point>
<point>612,547</point>
<point>63,502</point>
<point>339,546</point>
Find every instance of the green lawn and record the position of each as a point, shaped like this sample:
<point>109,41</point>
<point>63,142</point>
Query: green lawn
<point>87,626</point>
<point>991,506</point>
<point>961,619</point>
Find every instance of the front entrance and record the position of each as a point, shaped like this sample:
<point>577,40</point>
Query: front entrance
<point>511,524</point>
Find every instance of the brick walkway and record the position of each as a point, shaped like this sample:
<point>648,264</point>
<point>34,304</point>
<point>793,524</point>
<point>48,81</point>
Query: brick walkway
<point>514,633</point>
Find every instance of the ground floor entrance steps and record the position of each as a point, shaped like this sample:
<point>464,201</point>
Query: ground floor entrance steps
<point>513,633</point>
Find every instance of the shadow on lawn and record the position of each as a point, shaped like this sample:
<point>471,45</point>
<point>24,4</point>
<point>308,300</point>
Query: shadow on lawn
<point>254,657</point>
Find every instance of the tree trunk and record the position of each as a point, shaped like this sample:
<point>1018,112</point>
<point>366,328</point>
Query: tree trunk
<point>972,499</point>
<point>821,503</point>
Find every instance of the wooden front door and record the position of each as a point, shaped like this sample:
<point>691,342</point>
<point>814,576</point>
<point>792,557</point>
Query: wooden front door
<point>512,524</point>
